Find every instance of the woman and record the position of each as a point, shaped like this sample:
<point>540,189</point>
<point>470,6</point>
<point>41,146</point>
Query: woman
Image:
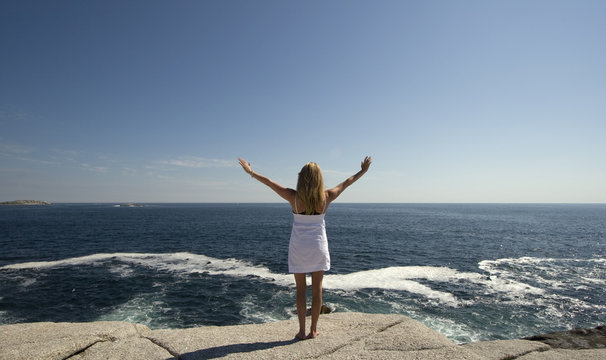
<point>308,249</point>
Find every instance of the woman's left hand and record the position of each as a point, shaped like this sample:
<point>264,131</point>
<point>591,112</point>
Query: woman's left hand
<point>245,165</point>
<point>366,163</point>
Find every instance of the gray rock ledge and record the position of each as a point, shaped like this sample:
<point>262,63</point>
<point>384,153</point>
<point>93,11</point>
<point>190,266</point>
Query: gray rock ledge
<point>574,339</point>
<point>25,202</point>
<point>343,336</point>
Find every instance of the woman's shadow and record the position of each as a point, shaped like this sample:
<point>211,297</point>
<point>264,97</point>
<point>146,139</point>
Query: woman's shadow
<point>220,351</point>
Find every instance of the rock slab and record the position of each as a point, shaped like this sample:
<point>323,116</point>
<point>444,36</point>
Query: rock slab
<point>46,340</point>
<point>574,339</point>
<point>343,336</point>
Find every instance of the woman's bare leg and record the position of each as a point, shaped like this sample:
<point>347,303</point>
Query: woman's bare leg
<point>301,303</point>
<point>316,302</point>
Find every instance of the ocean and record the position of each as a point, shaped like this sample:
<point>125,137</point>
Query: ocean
<point>470,271</point>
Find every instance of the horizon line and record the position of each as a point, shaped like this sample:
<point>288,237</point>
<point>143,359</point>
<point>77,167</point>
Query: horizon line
<point>339,202</point>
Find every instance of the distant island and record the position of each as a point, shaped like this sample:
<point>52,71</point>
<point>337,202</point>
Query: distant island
<point>25,202</point>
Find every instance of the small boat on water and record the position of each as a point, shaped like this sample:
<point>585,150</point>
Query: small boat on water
<point>129,205</point>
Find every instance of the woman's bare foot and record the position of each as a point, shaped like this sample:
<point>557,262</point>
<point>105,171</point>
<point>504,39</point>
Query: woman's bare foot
<point>313,335</point>
<point>300,335</point>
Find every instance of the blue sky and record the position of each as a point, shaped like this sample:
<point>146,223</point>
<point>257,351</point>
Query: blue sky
<point>154,101</point>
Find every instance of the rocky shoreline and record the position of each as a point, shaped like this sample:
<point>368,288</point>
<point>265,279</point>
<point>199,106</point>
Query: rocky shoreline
<point>24,202</point>
<point>343,336</point>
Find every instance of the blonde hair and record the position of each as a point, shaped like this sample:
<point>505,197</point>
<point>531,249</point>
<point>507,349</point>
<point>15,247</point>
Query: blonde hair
<point>310,187</point>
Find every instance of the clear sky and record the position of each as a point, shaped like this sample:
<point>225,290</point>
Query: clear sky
<point>154,101</point>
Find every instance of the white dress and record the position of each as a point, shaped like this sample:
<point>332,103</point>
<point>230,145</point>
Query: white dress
<point>308,249</point>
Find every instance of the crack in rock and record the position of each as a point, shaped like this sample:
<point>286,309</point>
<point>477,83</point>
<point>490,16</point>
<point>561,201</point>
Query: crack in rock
<point>104,338</point>
<point>174,353</point>
<point>354,340</point>
<point>78,352</point>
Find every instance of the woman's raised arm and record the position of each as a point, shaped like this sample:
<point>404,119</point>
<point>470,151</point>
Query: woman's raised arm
<point>337,190</point>
<point>286,193</point>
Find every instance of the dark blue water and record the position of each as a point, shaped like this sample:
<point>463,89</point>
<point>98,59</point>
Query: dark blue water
<point>472,272</point>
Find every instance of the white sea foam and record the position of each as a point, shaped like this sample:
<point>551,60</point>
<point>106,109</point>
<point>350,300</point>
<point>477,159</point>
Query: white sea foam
<point>181,262</point>
<point>551,273</point>
<point>140,310</point>
<point>508,276</point>
<point>457,331</point>
<point>400,278</point>
<point>543,263</point>
<point>393,278</point>
<point>123,270</point>
<point>28,282</point>
<point>255,310</point>
<point>76,261</point>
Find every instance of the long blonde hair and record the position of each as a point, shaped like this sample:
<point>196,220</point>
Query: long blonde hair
<point>310,187</point>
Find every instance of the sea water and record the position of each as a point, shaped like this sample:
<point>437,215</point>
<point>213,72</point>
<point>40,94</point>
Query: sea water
<point>470,271</point>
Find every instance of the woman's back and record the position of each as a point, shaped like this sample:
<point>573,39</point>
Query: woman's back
<point>299,207</point>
